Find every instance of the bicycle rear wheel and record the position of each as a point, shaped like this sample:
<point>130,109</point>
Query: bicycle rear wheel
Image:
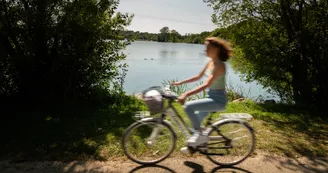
<point>148,142</point>
<point>231,142</point>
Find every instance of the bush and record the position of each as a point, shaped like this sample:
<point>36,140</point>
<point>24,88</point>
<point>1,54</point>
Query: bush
<point>60,50</point>
<point>68,132</point>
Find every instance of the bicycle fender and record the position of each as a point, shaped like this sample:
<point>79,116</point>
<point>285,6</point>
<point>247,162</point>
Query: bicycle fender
<point>146,119</point>
<point>233,120</point>
<point>168,123</point>
<point>165,121</point>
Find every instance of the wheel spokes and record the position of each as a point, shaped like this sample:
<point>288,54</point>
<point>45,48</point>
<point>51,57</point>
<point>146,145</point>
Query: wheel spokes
<point>149,142</point>
<point>230,143</point>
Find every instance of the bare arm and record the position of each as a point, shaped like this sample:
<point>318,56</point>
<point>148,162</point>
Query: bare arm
<point>194,78</point>
<point>216,73</point>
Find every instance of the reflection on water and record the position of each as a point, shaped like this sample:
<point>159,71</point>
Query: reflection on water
<point>152,62</point>
<point>164,53</point>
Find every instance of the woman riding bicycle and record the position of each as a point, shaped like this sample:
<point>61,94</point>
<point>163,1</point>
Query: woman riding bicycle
<point>219,51</point>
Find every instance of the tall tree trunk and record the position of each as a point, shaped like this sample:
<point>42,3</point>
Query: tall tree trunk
<point>293,23</point>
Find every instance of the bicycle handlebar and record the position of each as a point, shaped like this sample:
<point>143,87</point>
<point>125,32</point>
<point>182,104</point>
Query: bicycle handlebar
<point>169,94</point>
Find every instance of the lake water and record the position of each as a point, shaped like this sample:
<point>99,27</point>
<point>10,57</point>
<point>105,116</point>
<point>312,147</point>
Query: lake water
<point>152,62</point>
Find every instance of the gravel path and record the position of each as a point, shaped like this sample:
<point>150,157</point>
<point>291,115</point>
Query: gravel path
<point>181,164</point>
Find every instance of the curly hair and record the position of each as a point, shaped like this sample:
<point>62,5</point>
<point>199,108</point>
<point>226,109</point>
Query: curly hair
<point>225,50</point>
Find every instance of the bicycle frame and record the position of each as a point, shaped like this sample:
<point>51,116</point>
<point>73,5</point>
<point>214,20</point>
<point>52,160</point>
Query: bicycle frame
<point>178,120</point>
<point>185,129</point>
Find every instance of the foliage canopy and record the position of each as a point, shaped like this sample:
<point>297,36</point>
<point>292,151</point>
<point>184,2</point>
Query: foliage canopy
<point>283,44</point>
<point>60,49</point>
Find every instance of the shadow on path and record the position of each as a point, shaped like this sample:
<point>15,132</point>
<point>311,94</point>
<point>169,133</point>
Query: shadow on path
<point>200,169</point>
<point>317,165</point>
<point>144,168</point>
<point>229,169</point>
<point>197,167</point>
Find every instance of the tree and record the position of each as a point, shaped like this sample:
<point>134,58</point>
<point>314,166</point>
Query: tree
<point>164,30</point>
<point>196,40</point>
<point>60,50</point>
<point>164,34</point>
<point>282,44</point>
<point>174,36</point>
<point>203,36</point>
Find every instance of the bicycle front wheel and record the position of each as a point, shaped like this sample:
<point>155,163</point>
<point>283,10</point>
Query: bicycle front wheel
<point>231,142</point>
<point>148,142</point>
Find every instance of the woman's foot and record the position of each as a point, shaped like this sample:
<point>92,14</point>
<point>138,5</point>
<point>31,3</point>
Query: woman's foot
<point>194,141</point>
<point>185,150</point>
<point>197,139</point>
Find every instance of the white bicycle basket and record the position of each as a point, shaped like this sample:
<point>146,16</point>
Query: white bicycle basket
<point>154,100</point>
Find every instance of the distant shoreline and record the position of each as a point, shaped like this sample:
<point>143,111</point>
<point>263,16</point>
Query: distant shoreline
<point>167,35</point>
<point>168,42</point>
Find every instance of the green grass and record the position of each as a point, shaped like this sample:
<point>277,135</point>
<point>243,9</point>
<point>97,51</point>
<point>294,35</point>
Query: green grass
<point>94,132</point>
<point>286,130</point>
<point>66,133</point>
<point>282,129</point>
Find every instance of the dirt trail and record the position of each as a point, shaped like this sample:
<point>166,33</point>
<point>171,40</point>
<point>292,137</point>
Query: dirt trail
<point>199,164</point>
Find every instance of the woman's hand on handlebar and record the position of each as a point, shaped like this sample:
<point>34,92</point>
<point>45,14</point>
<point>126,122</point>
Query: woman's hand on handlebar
<point>176,83</point>
<point>182,99</point>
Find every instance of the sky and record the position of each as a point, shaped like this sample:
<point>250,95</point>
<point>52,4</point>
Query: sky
<point>185,16</point>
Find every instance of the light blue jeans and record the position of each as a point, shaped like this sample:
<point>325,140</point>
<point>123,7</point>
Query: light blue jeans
<point>197,110</point>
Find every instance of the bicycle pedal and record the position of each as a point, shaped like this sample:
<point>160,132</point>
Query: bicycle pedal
<point>192,153</point>
<point>191,150</point>
<point>202,148</point>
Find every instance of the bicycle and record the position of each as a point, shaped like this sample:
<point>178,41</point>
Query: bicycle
<point>218,133</point>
